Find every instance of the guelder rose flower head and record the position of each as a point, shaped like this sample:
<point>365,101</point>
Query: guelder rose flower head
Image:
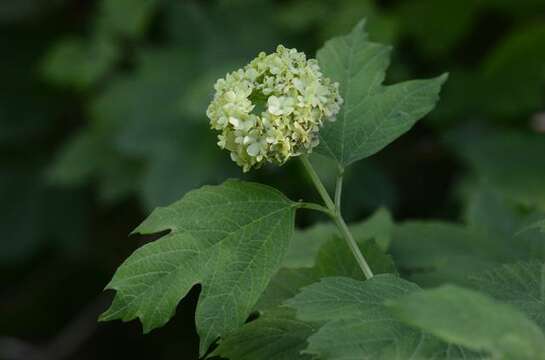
<point>273,108</point>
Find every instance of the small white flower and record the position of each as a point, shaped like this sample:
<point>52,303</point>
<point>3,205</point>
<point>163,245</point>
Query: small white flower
<point>253,149</point>
<point>221,141</point>
<point>235,122</point>
<point>281,105</point>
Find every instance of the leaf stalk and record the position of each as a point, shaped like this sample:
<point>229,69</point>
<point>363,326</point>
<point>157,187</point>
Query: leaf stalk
<point>334,211</point>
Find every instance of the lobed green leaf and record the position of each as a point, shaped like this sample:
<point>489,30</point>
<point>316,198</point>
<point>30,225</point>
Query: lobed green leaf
<point>373,115</point>
<point>230,238</point>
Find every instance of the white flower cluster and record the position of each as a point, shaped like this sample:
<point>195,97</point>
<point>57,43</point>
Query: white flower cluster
<point>273,108</point>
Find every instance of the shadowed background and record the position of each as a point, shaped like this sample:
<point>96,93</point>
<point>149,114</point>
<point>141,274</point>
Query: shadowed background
<point>102,118</point>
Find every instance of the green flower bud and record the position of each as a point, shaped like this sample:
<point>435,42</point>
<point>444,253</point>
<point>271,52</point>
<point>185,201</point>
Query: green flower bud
<point>273,108</point>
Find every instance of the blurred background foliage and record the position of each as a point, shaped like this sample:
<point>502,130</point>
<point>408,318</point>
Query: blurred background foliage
<point>102,118</point>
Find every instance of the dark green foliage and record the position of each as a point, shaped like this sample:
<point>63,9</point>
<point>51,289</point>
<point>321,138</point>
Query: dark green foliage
<point>102,120</point>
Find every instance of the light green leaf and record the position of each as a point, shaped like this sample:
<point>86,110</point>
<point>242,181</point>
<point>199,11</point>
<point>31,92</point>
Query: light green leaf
<point>521,285</point>
<point>373,115</point>
<point>230,238</point>
<point>357,325</point>
<point>468,318</point>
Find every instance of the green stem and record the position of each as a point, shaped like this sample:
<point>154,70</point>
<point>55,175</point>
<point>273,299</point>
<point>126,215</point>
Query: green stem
<point>338,192</point>
<point>312,206</point>
<point>318,183</point>
<point>353,245</point>
<point>335,213</point>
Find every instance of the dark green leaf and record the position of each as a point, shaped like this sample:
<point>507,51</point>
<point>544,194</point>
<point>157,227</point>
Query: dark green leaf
<point>431,253</point>
<point>277,335</point>
<point>506,161</point>
<point>74,62</point>
<point>128,18</point>
<point>231,239</point>
<point>373,115</point>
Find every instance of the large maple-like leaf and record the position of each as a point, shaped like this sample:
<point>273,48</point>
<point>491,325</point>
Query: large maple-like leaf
<point>231,239</point>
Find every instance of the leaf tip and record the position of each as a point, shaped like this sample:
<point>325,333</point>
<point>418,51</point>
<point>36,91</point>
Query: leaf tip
<point>105,316</point>
<point>146,328</point>
<point>359,28</point>
<point>442,79</point>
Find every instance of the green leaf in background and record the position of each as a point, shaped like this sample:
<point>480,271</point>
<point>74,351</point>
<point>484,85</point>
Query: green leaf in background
<point>126,18</point>
<point>90,156</point>
<point>508,83</point>
<point>521,285</point>
<point>520,9</point>
<point>333,17</point>
<point>75,62</point>
<point>177,149</point>
<point>307,243</point>
<point>430,253</point>
<point>438,34</point>
<point>34,216</point>
<point>515,72</point>
<point>356,323</point>
<point>231,239</point>
<point>82,62</point>
<point>510,162</point>
<point>495,217</point>
<point>470,319</point>
<point>373,115</point>
<point>139,141</point>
